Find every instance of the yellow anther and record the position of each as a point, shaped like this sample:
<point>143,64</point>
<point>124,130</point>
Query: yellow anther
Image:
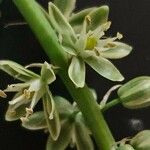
<point>119,36</point>
<point>88,19</point>
<point>2,94</point>
<point>29,111</point>
<point>27,94</point>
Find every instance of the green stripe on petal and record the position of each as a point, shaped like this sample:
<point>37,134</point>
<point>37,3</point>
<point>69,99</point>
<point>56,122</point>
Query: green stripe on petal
<point>51,115</point>
<point>17,71</point>
<point>47,74</point>
<point>102,66</point>
<point>76,72</point>
<point>64,138</point>
<point>59,22</point>
<point>116,50</point>
<point>82,138</point>
<point>98,17</point>
<point>78,18</point>
<point>36,121</point>
<point>65,6</point>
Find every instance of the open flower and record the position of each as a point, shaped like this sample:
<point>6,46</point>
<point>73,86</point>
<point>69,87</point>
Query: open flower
<point>28,93</point>
<point>89,45</point>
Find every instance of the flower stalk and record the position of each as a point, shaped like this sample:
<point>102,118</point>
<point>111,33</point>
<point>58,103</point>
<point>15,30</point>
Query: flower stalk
<point>83,96</point>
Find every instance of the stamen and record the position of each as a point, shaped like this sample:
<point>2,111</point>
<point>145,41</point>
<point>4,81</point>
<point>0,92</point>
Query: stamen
<point>27,94</point>
<point>2,94</point>
<point>24,119</point>
<point>29,111</point>
<point>88,19</point>
<point>119,36</point>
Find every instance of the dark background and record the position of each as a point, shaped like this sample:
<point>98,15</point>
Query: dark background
<point>130,17</point>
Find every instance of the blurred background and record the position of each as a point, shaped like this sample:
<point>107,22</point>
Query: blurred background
<point>131,18</point>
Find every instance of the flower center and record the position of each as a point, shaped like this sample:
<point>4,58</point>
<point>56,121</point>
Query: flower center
<point>91,43</point>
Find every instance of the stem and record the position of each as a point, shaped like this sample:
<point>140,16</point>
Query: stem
<point>83,96</point>
<point>111,104</point>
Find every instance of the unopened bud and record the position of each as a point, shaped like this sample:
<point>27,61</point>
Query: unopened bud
<point>136,93</point>
<point>141,141</point>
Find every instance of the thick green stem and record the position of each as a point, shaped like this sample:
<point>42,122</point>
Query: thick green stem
<point>82,96</point>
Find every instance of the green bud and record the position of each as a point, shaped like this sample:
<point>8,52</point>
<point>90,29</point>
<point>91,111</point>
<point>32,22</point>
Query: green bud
<point>141,141</point>
<point>136,93</point>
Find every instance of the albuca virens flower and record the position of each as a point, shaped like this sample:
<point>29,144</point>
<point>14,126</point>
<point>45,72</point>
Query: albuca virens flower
<point>141,141</point>
<point>28,93</point>
<point>135,93</point>
<point>89,45</point>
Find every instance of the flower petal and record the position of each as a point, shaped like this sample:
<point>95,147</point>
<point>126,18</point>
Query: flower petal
<point>117,51</point>
<point>64,138</point>
<point>17,71</point>
<point>35,121</point>
<point>98,17</point>
<point>64,107</point>
<point>51,115</point>
<point>76,72</point>
<point>102,66</point>
<point>59,22</point>
<point>67,8</point>
<point>47,73</point>
<point>82,138</point>
<point>16,111</point>
<point>77,19</point>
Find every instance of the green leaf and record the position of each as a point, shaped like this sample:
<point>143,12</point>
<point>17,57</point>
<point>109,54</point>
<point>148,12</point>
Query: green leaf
<point>63,106</point>
<point>64,138</point>
<point>76,72</point>
<point>35,121</point>
<point>51,115</point>
<point>47,73</point>
<point>116,50</point>
<point>102,66</point>
<point>77,19</point>
<point>59,22</point>
<point>82,138</point>
<point>17,71</point>
<point>65,6</point>
<point>98,17</point>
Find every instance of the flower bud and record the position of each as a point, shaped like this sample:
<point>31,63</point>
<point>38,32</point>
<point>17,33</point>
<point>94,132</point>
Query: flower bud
<point>141,141</point>
<point>136,93</point>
